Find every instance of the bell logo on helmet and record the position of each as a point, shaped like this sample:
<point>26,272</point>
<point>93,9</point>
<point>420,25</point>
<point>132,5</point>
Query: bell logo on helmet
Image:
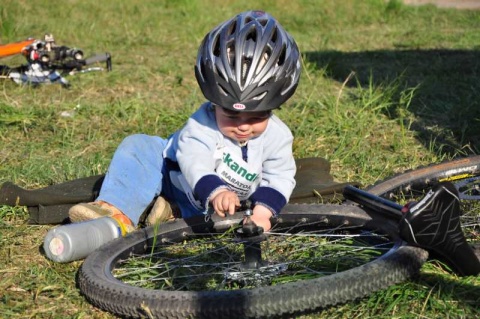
<point>258,13</point>
<point>239,106</point>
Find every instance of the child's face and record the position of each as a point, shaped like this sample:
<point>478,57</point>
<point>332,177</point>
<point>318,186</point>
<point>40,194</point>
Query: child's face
<point>241,126</point>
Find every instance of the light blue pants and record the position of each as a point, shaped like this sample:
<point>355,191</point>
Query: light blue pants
<point>137,174</point>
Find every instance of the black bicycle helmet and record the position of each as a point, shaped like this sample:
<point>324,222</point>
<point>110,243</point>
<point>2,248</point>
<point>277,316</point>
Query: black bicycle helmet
<point>248,63</point>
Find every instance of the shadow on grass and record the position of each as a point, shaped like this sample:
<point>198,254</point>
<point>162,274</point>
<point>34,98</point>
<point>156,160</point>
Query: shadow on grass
<point>466,294</point>
<point>446,102</point>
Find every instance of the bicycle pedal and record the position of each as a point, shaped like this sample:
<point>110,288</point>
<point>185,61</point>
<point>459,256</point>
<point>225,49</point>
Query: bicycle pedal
<point>434,224</point>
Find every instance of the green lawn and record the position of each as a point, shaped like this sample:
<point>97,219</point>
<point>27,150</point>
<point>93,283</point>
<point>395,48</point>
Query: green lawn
<point>385,88</point>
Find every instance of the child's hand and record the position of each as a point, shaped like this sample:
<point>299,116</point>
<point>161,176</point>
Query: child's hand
<point>261,217</point>
<point>225,201</point>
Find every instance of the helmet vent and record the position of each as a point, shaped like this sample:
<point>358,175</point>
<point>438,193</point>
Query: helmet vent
<point>282,56</point>
<point>232,28</point>
<point>287,85</point>
<point>245,67</point>
<point>220,73</point>
<point>260,96</point>
<point>216,47</point>
<point>266,55</point>
<point>222,90</point>
<point>274,35</point>
<point>231,54</point>
<point>252,35</point>
<point>202,69</point>
<point>263,22</point>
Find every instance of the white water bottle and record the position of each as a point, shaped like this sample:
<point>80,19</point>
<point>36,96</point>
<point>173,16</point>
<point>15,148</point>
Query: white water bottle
<point>76,241</point>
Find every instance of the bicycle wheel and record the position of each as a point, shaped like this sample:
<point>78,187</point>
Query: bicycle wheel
<point>463,173</point>
<point>314,256</point>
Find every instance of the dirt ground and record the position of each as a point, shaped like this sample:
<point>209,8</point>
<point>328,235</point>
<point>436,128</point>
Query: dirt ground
<point>459,4</point>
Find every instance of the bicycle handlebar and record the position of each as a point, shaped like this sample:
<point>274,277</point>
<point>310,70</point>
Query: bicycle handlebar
<point>98,58</point>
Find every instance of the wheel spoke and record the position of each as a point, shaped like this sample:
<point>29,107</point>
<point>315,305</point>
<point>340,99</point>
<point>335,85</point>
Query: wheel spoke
<point>215,261</point>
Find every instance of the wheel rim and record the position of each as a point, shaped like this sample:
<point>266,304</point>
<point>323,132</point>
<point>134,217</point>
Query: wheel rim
<point>295,249</point>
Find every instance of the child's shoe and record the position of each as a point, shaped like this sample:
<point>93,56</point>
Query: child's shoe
<point>88,211</point>
<point>161,212</point>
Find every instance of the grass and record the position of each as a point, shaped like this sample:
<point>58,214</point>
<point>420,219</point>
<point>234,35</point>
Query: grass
<point>385,88</point>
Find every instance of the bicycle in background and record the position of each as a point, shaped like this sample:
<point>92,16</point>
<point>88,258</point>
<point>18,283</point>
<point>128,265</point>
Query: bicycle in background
<point>48,62</point>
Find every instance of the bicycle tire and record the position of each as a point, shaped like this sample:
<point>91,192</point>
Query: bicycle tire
<point>102,289</point>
